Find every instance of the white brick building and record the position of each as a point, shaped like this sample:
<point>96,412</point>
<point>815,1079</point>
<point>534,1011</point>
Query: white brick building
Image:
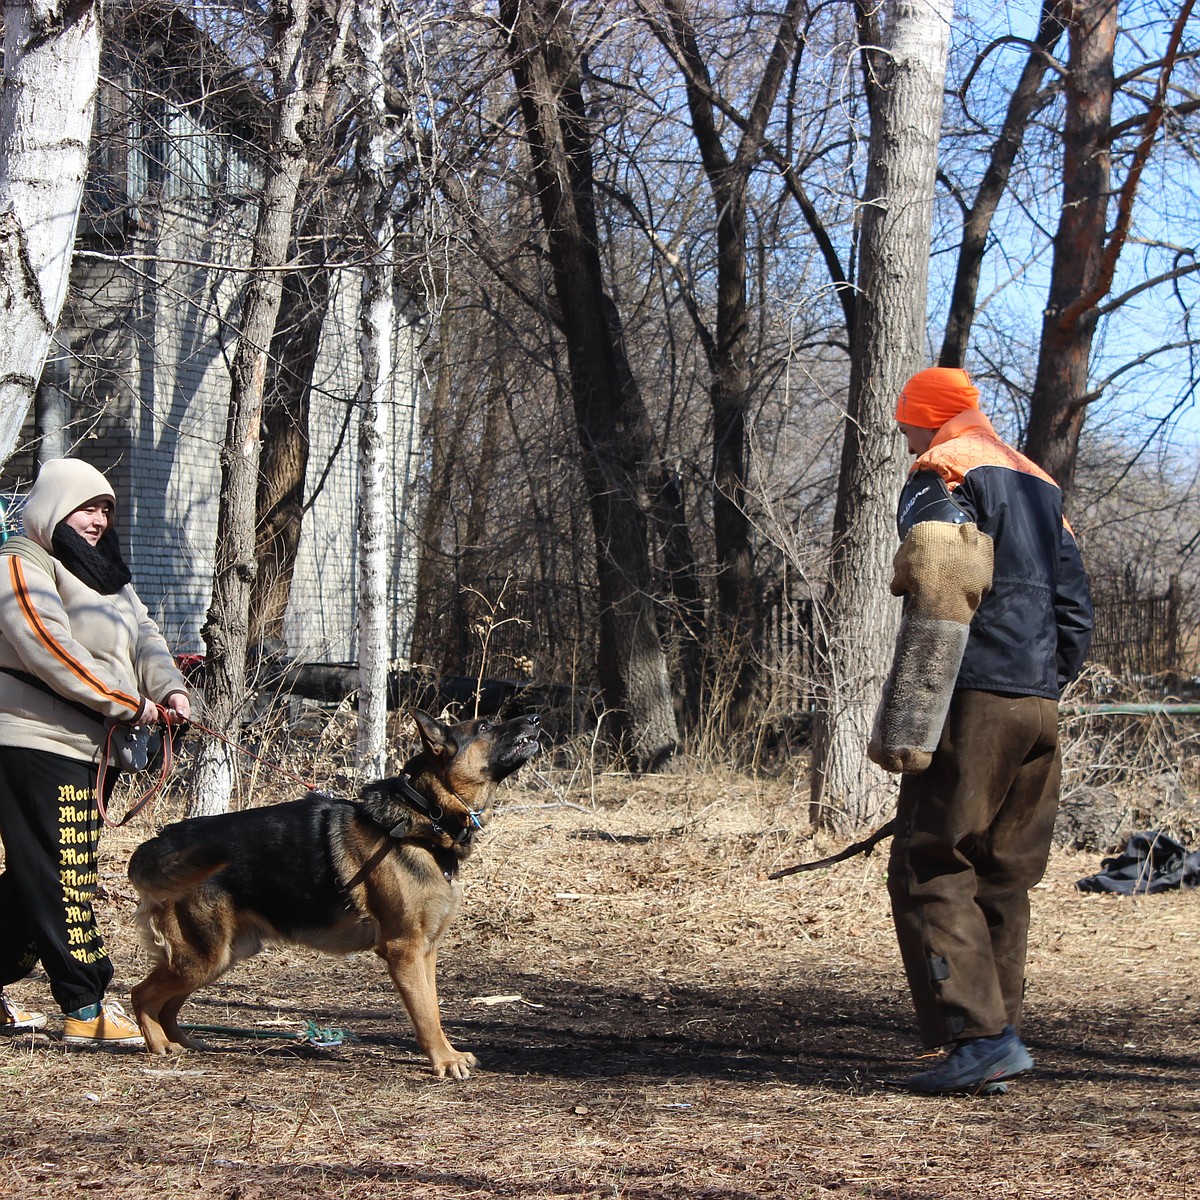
<point>142,377</point>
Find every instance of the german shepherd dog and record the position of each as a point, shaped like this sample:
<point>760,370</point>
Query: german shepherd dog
<point>338,875</point>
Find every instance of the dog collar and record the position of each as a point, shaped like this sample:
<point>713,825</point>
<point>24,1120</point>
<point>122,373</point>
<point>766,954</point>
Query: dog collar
<point>434,813</point>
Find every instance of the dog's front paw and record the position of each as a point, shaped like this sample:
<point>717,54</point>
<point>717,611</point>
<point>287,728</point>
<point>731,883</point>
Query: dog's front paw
<point>456,1065</point>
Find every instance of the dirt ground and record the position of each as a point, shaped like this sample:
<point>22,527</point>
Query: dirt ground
<point>653,1019</point>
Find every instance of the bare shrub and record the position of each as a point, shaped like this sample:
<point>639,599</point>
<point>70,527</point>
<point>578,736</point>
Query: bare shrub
<point>1126,771</point>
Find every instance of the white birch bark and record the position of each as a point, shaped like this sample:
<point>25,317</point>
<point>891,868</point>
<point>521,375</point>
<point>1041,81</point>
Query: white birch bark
<point>377,321</point>
<point>860,615</point>
<point>48,101</point>
<point>52,402</point>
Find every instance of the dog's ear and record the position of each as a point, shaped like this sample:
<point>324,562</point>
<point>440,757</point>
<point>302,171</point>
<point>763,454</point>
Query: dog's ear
<point>437,738</point>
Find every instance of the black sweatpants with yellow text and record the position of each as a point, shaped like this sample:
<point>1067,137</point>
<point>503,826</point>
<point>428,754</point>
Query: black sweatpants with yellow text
<point>51,828</point>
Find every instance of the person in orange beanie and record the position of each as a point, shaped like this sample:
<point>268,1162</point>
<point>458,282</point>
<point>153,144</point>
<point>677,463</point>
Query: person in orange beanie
<point>997,620</point>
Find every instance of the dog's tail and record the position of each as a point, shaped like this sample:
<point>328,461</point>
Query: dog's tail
<point>162,871</point>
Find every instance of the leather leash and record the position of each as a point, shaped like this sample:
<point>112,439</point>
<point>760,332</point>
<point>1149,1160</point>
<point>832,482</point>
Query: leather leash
<point>169,734</point>
<point>171,729</point>
<point>307,784</point>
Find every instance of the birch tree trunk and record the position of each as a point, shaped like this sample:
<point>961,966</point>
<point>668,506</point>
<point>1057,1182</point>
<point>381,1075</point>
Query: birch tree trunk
<point>51,68</point>
<point>377,319</point>
<point>226,628</point>
<point>860,615</point>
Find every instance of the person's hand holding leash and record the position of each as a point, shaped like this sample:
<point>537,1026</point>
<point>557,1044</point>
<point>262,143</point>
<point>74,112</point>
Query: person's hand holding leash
<point>177,708</point>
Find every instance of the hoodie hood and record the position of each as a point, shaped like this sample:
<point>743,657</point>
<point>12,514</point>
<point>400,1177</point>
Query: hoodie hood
<point>62,485</point>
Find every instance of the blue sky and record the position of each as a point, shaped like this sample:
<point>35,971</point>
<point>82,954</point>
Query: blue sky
<point>1165,232</point>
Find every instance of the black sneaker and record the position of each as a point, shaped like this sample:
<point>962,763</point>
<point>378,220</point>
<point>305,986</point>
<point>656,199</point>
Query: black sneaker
<point>976,1065</point>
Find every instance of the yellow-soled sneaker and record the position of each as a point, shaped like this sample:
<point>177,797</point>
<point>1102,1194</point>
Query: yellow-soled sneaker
<point>110,1029</point>
<point>15,1020</point>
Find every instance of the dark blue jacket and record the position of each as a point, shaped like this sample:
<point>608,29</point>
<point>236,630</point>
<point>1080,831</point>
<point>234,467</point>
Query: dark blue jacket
<point>1030,634</point>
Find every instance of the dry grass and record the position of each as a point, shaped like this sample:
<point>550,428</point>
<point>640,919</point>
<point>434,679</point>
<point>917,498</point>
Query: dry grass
<point>654,1020</point>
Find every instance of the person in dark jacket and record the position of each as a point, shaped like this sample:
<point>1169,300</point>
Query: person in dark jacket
<point>997,621</point>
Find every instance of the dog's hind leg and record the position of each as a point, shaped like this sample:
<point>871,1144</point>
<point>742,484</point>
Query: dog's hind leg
<point>156,1003</point>
<point>190,952</point>
<point>168,1018</point>
<point>413,972</point>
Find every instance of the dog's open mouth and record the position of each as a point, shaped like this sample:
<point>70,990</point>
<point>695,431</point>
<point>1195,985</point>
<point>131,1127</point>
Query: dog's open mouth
<point>523,747</point>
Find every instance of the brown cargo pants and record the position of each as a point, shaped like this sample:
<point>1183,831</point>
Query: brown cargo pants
<point>972,837</point>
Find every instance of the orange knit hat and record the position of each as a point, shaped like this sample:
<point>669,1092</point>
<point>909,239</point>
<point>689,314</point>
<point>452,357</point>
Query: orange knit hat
<point>931,397</point>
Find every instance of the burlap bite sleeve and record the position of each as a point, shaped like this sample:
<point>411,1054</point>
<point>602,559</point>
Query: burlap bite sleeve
<point>943,571</point>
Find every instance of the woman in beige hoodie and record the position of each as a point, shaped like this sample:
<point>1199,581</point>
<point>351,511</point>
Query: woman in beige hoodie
<point>78,651</point>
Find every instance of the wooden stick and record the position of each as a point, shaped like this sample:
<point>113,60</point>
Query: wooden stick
<point>864,847</point>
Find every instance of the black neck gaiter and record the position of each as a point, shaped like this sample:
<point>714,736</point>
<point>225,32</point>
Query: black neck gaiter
<point>100,566</point>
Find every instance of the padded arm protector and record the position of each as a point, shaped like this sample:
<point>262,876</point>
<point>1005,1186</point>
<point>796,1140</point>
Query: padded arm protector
<point>943,571</point>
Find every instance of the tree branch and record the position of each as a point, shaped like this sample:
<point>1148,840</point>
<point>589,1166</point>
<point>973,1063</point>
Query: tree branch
<point>1025,100</point>
<point>1154,118</point>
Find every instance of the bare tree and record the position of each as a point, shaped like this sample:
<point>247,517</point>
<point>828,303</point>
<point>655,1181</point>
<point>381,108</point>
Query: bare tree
<point>1027,97</point>
<point>611,419</point>
<point>283,463</point>
<point>377,318</point>
<point>727,345</point>
<point>444,437</point>
<point>1084,133</point>
<point>907,74</point>
<point>295,346</point>
<point>227,626</point>
<point>1085,250</point>
<point>47,105</point>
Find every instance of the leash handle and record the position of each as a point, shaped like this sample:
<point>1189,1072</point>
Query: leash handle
<point>170,723</point>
